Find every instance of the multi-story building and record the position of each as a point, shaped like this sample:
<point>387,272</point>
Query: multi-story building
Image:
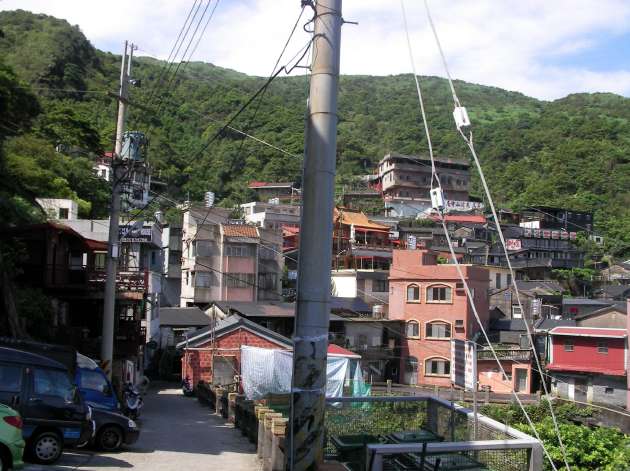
<point>533,252</point>
<point>277,191</point>
<point>139,268</point>
<point>271,216</point>
<point>172,268</point>
<point>228,260</point>
<point>431,300</point>
<point>406,180</point>
<point>589,364</point>
<point>57,209</point>
<point>545,217</point>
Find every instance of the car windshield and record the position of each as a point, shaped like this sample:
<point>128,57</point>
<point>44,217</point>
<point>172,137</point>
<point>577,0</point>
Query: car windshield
<point>52,383</point>
<point>93,380</point>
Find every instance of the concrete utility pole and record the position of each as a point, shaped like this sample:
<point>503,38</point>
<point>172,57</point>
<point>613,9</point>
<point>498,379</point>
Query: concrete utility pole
<point>308,389</point>
<point>117,174</point>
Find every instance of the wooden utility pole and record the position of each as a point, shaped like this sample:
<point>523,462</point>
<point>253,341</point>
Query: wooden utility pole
<point>310,341</point>
<point>117,176</point>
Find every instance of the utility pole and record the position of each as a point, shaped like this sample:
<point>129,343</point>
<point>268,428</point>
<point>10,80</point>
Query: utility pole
<point>310,341</point>
<point>118,174</point>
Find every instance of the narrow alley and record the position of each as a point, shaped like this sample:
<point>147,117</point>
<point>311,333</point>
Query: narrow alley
<point>176,433</point>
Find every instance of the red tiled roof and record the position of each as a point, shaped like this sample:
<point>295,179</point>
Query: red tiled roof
<point>472,218</point>
<point>96,245</point>
<point>337,351</point>
<point>288,231</point>
<point>589,332</point>
<point>239,230</point>
<point>586,369</point>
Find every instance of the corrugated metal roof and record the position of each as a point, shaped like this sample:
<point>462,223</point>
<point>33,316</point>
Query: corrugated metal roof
<point>589,332</point>
<point>183,317</point>
<point>239,230</point>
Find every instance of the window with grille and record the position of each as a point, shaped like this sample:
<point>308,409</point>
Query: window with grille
<point>438,330</point>
<point>413,329</point>
<point>517,312</point>
<point>437,367</point>
<point>413,293</point>
<point>239,280</point>
<point>438,294</point>
<point>239,251</point>
<point>203,279</point>
<point>568,345</point>
<point>602,347</point>
<point>380,286</point>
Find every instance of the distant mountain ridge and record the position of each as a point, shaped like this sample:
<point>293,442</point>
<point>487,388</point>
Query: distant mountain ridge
<point>571,152</point>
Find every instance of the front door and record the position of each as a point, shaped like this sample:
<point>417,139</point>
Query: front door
<point>52,400</point>
<point>223,370</point>
<point>521,380</point>
<point>580,389</point>
<point>11,381</point>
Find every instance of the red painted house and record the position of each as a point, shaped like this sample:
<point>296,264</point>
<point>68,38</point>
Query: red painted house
<point>431,300</point>
<point>589,364</point>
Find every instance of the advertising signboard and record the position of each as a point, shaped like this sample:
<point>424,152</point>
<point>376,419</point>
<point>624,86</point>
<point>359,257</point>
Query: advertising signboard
<point>513,244</point>
<point>464,364</point>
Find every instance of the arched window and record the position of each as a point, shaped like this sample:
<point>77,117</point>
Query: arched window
<point>413,293</point>
<point>413,329</point>
<point>437,330</point>
<point>437,367</point>
<point>438,294</point>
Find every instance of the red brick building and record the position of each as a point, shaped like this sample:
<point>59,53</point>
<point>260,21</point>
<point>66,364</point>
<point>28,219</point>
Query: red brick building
<point>214,354</point>
<point>431,300</point>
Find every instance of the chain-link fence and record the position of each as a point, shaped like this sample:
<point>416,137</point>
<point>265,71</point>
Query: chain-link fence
<point>439,435</point>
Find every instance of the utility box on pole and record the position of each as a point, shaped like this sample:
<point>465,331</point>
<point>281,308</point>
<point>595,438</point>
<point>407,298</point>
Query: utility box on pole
<point>310,341</point>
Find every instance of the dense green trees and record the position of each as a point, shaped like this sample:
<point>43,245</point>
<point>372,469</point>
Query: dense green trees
<point>572,152</point>
<point>600,448</point>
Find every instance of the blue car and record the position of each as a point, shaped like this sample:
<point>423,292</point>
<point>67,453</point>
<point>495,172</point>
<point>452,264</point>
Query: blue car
<point>94,386</point>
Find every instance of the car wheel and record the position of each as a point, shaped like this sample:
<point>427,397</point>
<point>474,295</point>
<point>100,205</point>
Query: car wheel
<point>46,447</point>
<point>110,438</point>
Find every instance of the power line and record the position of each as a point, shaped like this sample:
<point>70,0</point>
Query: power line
<point>469,142</point>
<point>457,266</point>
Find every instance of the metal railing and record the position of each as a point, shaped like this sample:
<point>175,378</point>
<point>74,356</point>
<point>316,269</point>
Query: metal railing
<point>422,433</point>
<point>516,354</point>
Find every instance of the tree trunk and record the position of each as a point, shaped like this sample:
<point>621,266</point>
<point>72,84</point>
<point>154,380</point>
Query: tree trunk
<point>16,328</point>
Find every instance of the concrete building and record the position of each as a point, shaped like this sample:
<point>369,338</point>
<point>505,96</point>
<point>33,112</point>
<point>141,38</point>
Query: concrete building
<point>271,216</point>
<point>59,209</point>
<point>172,266</point>
<point>370,285</point>
<point>277,191</point>
<point>431,300</point>
<point>225,260</point>
<point>405,182</point>
<point>139,263</point>
<point>588,364</point>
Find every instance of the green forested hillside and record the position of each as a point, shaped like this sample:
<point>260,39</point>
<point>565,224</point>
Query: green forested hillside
<point>574,151</point>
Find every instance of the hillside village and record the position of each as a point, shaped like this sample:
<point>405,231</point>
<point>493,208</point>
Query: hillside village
<point>528,291</point>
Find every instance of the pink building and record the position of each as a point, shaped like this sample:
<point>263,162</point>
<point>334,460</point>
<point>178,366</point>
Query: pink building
<point>431,300</point>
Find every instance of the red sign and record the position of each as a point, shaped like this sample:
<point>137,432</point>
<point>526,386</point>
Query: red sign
<point>513,244</point>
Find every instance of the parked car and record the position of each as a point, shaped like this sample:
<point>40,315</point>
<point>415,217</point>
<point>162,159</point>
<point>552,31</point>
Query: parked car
<point>53,411</point>
<point>11,441</point>
<point>113,430</point>
<point>91,380</point>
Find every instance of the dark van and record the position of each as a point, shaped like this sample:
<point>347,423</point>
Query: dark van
<point>52,409</point>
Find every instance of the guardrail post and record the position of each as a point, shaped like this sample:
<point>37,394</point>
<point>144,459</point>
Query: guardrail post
<point>536,458</point>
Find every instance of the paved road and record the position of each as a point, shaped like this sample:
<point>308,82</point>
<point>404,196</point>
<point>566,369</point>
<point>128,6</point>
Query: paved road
<point>177,434</point>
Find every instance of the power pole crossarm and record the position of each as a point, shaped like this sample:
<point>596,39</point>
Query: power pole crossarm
<point>109,308</point>
<point>308,391</point>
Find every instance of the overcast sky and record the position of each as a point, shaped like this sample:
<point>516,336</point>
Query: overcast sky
<point>546,49</point>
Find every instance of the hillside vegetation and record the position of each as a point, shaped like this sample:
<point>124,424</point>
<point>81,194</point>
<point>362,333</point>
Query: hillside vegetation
<point>571,152</point>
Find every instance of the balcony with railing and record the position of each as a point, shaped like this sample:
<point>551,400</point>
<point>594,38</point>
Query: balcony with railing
<point>511,354</point>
